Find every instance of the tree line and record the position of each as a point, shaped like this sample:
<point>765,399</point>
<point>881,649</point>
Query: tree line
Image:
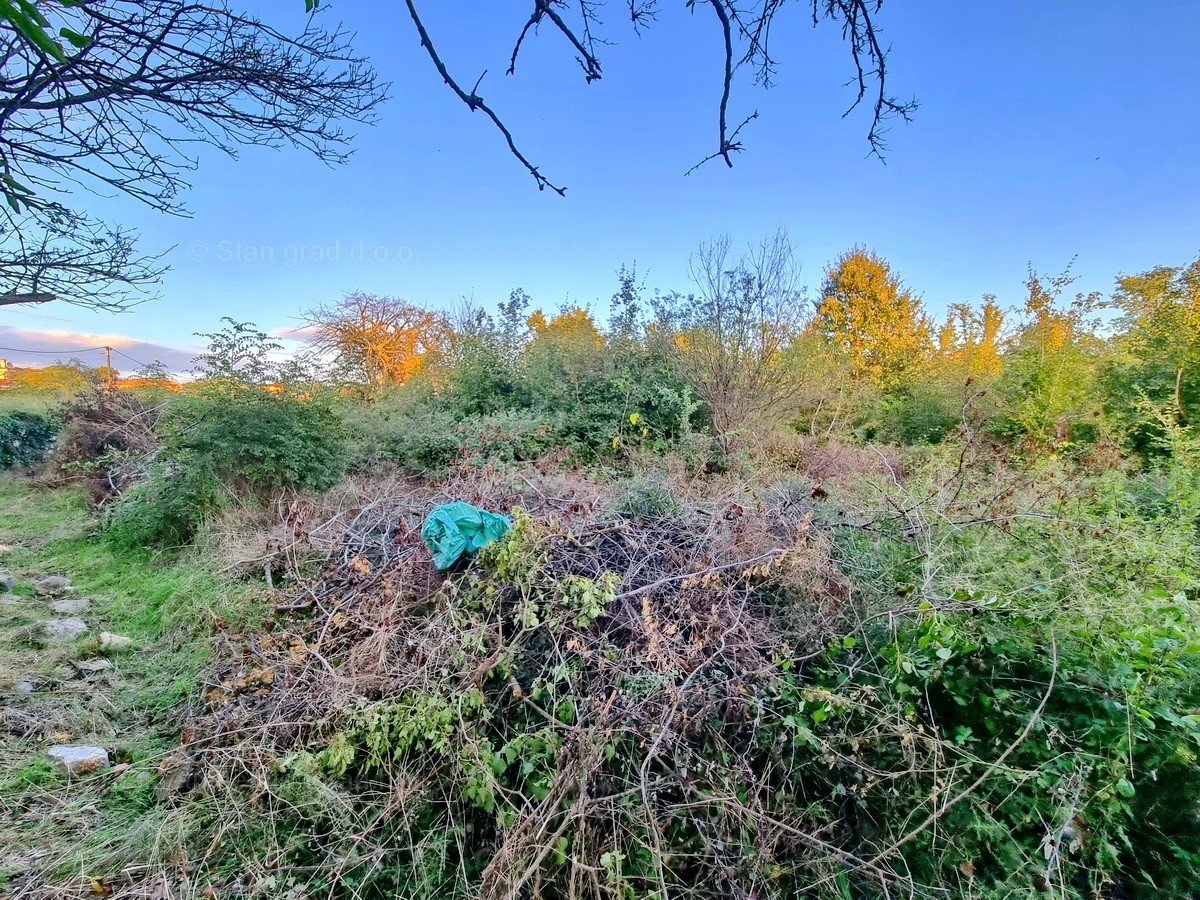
<point>747,353</point>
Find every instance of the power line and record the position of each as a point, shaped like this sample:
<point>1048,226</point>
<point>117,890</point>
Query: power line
<point>75,350</point>
<point>130,358</point>
<point>56,352</point>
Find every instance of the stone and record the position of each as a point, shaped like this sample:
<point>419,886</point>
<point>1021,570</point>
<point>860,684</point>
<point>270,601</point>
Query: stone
<point>67,629</point>
<point>53,586</point>
<point>174,773</point>
<point>79,760</point>
<point>6,582</point>
<point>25,687</point>
<point>70,606</point>
<point>92,666</point>
<point>108,639</point>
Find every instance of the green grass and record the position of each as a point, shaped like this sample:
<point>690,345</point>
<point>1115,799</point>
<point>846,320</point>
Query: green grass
<point>41,403</point>
<point>169,605</point>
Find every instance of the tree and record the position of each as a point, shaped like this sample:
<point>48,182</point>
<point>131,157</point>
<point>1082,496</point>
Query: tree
<point>1051,363</point>
<point>67,379</point>
<point>728,337</point>
<point>32,26</point>
<point>384,340</point>
<point>870,316</point>
<point>745,27</point>
<point>1160,332</point>
<point>969,340</point>
<point>239,353</point>
<point>564,352</point>
<point>120,111</point>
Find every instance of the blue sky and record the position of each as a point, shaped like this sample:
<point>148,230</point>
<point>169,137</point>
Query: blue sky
<point>1046,131</point>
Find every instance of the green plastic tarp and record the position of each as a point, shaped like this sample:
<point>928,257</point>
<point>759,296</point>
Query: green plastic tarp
<point>458,528</point>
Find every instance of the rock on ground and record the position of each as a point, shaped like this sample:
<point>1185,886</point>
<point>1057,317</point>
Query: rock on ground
<point>64,629</point>
<point>78,760</point>
<point>108,639</point>
<point>91,666</point>
<point>70,606</point>
<point>53,586</point>
<point>174,773</point>
<point>7,582</point>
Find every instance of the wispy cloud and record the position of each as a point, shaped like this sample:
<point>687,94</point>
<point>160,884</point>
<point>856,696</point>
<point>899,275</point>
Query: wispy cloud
<point>33,315</point>
<point>295,332</point>
<point>42,346</point>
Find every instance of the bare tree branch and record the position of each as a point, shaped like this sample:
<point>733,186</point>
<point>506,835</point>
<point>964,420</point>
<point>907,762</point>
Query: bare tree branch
<point>746,28</point>
<point>124,113</point>
<point>587,57</point>
<point>474,102</point>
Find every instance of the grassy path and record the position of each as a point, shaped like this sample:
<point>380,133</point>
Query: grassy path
<point>58,834</point>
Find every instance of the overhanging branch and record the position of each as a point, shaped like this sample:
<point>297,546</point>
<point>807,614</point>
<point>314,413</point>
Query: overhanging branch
<point>474,102</point>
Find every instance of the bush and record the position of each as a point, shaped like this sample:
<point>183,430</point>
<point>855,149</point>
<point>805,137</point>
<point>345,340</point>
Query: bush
<point>644,499</point>
<point>165,509</point>
<point>1058,662</point>
<point>256,442</point>
<point>234,439</point>
<point>428,438</point>
<point>924,414</point>
<point>25,439</point>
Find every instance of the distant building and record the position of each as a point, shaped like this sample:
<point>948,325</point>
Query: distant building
<point>5,368</point>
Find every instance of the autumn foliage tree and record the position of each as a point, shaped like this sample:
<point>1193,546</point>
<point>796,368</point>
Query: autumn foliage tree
<point>868,314</point>
<point>65,379</point>
<point>1161,333</point>
<point>565,351</point>
<point>969,339</point>
<point>1052,362</point>
<point>381,340</point>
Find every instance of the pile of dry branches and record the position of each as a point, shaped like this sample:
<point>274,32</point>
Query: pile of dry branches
<point>107,441</point>
<point>602,706</point>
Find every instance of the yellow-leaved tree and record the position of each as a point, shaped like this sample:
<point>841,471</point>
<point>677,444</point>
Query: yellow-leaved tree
<point>1051,364</point>
<point>564,352</point>
<point>380,340</point>
<point>969,340</point>
<point>872,318</point>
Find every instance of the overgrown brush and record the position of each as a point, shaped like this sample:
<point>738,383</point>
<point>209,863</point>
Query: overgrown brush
<point>586,692</point>
<point>953,675</point>
<point>701,704</point>
<point>107,441</point>
<point>223,442</point>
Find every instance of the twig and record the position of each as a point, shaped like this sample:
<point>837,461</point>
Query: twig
<point>474,102</point>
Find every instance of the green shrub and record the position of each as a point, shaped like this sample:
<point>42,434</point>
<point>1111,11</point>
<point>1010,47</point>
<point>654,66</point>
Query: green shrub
<point>234,439</point>
<point>429,438</point>
<point>644,498</point>
<point>164,510</point>
<point>426,440</point>
<point>1100,789</point>
<point>257,442</point>
<point>1067,641</point>
<point>924,414</point>
<point>25,439</point>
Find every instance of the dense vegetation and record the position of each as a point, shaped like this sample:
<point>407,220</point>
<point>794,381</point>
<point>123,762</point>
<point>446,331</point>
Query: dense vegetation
<point>802,599</point>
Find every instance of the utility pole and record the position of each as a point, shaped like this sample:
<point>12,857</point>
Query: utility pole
<point>108,368</point>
